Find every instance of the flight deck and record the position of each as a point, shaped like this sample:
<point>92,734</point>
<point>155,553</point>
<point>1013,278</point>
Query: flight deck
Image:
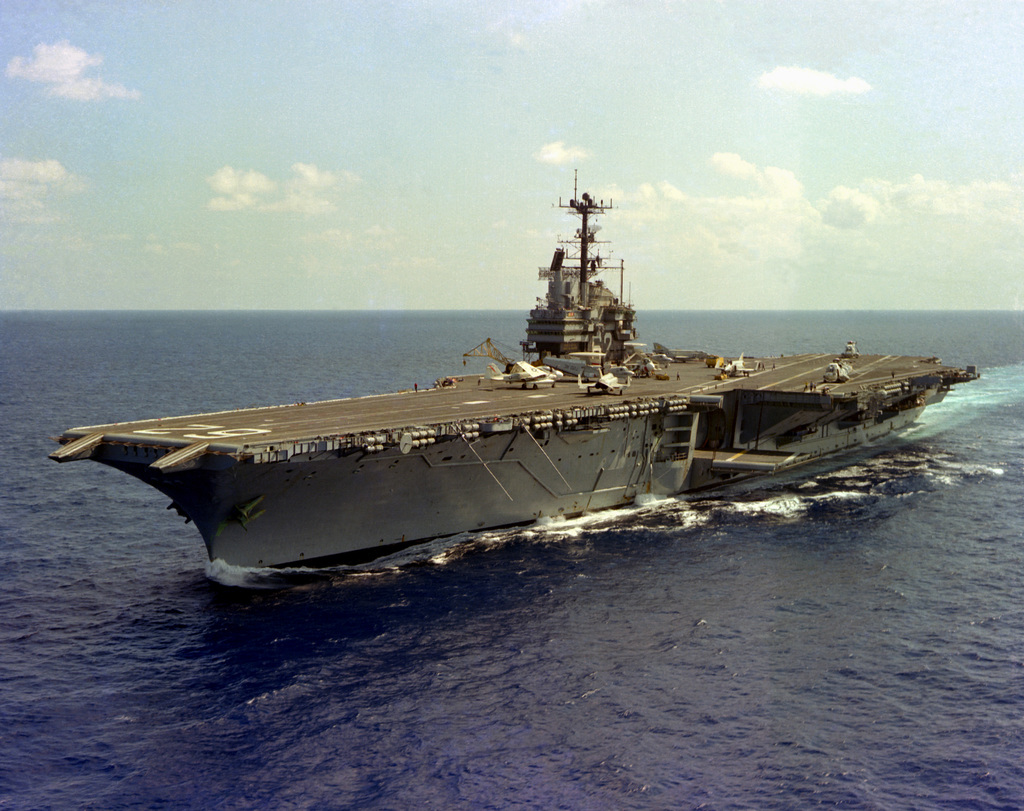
<point>477,398</point>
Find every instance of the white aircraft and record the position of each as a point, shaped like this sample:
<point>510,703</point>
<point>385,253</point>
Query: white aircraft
<point>587,364</point>
<point>680,355</point>
<point>522,372</point>
<point>639,362</point>
<point>735,367</point>
<point>606,384</point>
<point>838,371</point>
<point>648,365</point>
<point>570,366</point>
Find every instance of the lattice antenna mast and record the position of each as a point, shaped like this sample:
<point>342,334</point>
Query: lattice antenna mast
<point>586,208</point>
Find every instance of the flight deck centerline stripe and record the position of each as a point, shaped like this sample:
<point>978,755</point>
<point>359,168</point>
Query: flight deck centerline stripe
<point>808,371</point>
<point>863,370</point>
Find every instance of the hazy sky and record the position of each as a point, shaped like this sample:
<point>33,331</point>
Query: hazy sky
<point>406,155</point>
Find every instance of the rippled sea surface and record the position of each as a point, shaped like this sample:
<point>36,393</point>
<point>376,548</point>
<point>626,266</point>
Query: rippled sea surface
<point>849,634</point>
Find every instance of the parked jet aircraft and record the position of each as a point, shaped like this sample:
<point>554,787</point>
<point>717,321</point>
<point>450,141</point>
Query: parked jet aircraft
<point>522,372</point>
<point>587,364</point>
<point>735,367</point>
<point>680,355</point>
<point>606,384</point>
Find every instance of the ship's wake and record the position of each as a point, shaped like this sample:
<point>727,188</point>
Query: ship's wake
<point>862,488</point>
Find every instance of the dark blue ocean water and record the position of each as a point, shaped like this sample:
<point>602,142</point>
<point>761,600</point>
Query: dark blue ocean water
<point>849,635</point>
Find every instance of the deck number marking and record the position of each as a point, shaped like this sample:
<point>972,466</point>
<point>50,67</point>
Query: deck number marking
<point>211,431</point>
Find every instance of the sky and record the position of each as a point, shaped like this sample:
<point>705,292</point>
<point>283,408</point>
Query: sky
<point>411,155</point>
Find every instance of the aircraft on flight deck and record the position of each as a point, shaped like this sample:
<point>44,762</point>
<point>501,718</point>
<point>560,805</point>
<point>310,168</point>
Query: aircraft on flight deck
<point>522,373</point>
<point>606,384</point>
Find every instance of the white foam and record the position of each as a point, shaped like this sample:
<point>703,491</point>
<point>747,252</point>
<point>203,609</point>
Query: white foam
<point>840,495</point>
<point>652,500</point>
<point>242,576</point>
<point>969,469</point>
<point>560,527</point>
<point>784,506</point>
<point>790,506</point>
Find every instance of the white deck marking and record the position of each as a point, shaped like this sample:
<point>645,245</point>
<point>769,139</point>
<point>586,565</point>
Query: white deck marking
<point>804,374</point>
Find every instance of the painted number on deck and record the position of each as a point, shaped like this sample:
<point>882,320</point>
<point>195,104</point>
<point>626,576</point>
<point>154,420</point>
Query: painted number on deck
<point>210,431</point>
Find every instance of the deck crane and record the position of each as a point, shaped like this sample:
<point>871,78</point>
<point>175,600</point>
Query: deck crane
<point>488,349</point>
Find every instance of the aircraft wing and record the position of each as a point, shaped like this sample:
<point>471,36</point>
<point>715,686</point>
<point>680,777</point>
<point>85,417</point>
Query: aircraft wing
<point>606,384</point>
<point>526,371</point>
<point>571,366</point>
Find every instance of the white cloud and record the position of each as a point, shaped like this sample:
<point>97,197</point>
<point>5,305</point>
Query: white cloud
<point>238,190</point>
<point>988,199</point>
<point>767,224</point>
<point>773,180</point>
<point>28,187</point>
<point>849,208</point>
<point>884,202</point>
<point>335,237</point>
<point>781,182</point>
<point>558,154</point>
<point>770,246</point>
<point>521,21</point>
<point>308,191</point>
<point>810,82</point>
<point>154,245</point>
<point>309,176</point>
<point>37,172</point>
<point>62,66</point>
<point>729,163</point>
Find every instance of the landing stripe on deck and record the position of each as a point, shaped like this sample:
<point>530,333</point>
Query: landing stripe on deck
<point>776,384</point>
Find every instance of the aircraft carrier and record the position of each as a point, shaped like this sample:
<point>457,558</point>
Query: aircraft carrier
<point>353,479</point>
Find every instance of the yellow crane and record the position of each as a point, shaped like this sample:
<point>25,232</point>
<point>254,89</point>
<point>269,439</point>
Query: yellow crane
<point>487,349</point>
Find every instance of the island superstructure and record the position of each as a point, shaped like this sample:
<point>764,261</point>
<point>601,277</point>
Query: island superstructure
<point>580,314</point>
<point>351,479</point>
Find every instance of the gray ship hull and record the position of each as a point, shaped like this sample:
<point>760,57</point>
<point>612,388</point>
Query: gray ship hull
<point>358,496</point>
<point>317,507</point>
